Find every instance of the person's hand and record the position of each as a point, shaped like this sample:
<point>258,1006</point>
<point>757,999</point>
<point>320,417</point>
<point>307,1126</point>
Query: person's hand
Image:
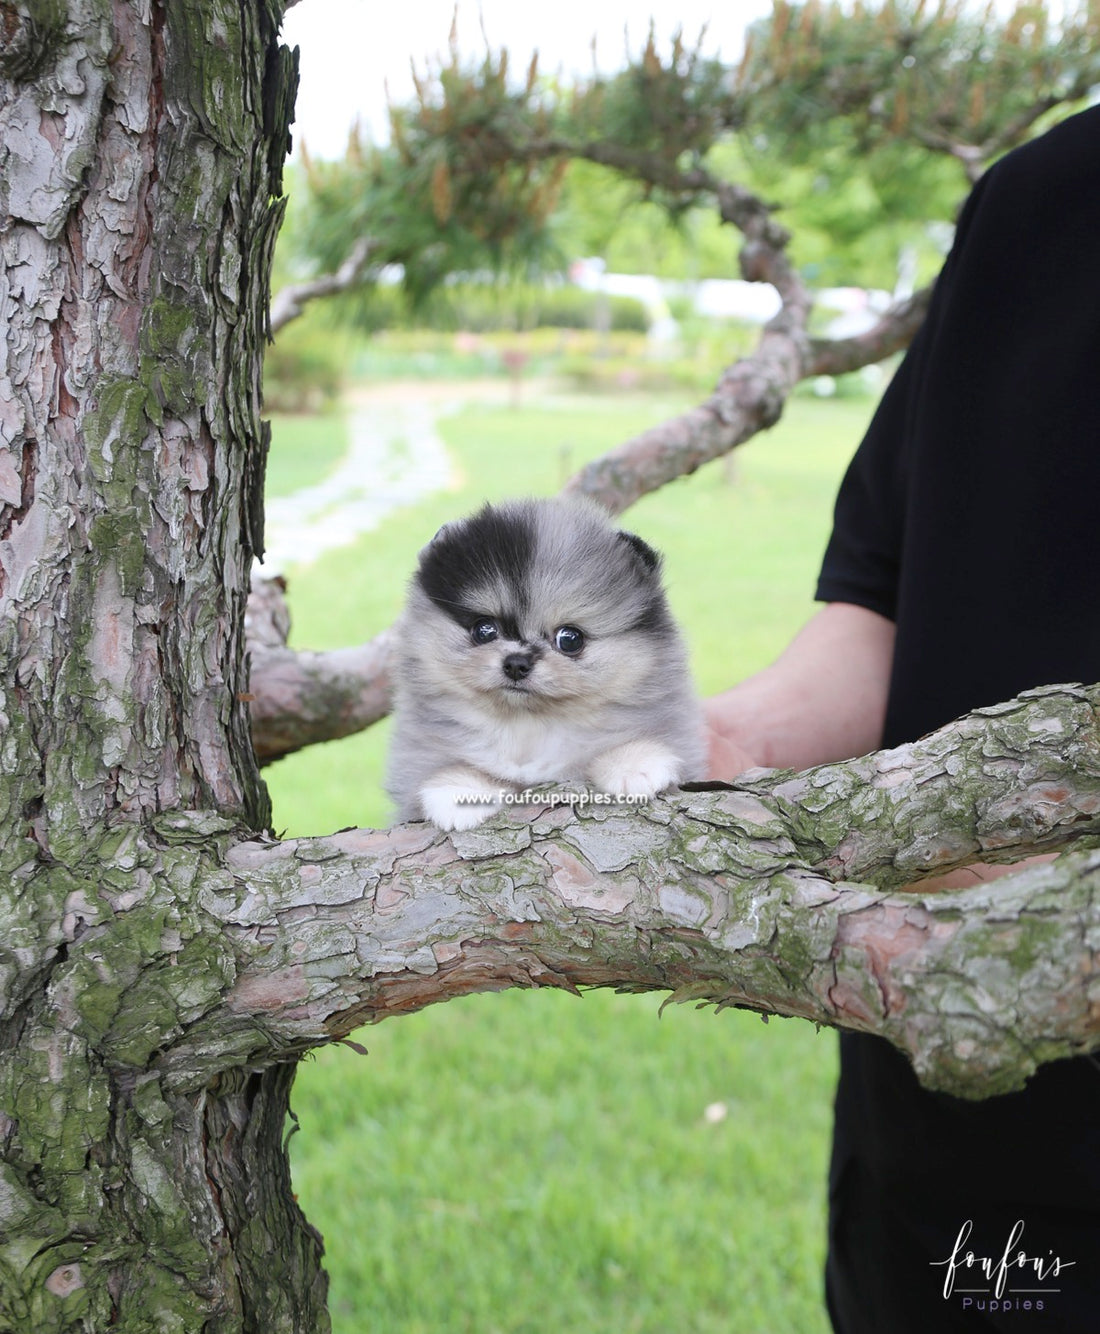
<point>822,699</point>
<point>726,757</point>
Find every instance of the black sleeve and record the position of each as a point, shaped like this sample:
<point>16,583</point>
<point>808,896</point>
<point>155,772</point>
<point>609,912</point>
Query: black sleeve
<point>969,513</point>
<point>863,557</point>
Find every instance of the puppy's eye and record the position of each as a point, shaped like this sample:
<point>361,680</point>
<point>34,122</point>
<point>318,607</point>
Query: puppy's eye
<point>568,640</point>
<point>483,632</point>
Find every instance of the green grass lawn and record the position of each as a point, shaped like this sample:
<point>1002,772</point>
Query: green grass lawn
<point>528,1161</point>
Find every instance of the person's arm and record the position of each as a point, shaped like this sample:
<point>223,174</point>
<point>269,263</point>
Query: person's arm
<point>823,699</point>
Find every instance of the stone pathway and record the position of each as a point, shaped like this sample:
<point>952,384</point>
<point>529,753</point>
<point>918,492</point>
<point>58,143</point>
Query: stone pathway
<point>396,457</point>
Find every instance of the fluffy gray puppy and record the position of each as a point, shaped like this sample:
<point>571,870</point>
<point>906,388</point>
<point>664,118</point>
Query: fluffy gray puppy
<point>536,648</point>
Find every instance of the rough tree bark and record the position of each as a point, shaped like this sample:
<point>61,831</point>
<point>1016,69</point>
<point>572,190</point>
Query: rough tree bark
<point>163,960</point>
<point>141,149</point>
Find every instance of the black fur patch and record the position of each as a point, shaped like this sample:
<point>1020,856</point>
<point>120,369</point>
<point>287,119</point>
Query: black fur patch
<point>655,618</point>
<point>493,546</point>
<point>509,628</point>
<point>650,559</point>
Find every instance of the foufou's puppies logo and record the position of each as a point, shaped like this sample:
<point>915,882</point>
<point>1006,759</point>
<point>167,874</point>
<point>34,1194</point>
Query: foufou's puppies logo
<point>1011,1280</point>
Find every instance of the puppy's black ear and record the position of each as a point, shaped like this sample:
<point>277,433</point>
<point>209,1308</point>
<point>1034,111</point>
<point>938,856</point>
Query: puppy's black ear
<point>427,549</point>
<point>645,553</point>
<point>457,526</point>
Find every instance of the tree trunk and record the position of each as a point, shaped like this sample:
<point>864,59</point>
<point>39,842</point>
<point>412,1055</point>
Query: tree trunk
<point>141,148</point>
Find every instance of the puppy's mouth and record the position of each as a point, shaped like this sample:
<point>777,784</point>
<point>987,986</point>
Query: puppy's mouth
<point>528,695</point>
<point>519,690</point>
<point>523,694</point>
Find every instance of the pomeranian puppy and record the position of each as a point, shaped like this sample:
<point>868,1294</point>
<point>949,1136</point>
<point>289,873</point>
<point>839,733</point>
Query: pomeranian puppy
<point>536,647</point>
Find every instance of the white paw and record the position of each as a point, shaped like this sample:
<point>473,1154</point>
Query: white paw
<point>636,770</point>
<point>453,806</point>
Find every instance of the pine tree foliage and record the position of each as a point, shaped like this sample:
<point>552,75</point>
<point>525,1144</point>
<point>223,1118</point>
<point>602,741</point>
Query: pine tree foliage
<point>949,77</point>
<point>446,195</point>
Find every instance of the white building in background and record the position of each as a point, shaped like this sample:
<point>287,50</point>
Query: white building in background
<point>725,298</point>
<point>731,299</point>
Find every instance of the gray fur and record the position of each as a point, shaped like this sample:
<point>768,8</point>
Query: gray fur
<point>531,567</point>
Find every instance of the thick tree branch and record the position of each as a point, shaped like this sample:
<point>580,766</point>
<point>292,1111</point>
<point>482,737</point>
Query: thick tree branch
<point>300,697</point>
<point>750,398</point>
<point>891,334</point>
<point>289,302</point>
<point>741,896</point>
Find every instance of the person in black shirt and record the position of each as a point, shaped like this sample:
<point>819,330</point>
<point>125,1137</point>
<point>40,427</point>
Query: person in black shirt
<point>963,568</point>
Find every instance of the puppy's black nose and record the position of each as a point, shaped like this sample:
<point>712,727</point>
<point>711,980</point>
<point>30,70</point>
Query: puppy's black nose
<point>518,665</point>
